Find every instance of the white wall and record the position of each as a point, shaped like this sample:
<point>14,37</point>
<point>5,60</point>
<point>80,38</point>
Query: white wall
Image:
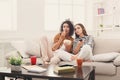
<point>29,21</point>
<point>89,17</point>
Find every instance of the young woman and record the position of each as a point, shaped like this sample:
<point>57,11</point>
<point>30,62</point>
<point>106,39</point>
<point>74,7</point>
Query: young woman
<point>66,32</point>
<point>62,39</point>
<point>82,46</point>
<point>83,43</point>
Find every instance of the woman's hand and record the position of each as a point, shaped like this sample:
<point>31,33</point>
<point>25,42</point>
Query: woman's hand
<point>77,48</point>
<point>63,34</point>
<point>59,41</point>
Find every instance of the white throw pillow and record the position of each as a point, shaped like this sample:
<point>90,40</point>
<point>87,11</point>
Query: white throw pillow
<point>105,57</point>
<point>11,54</point>
<point>20,45</point>
<point>33,48</point>
<point>117,61</point>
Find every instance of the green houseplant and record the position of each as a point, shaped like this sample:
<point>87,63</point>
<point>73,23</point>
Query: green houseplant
<point>101,26</point>
<point>15,63</point>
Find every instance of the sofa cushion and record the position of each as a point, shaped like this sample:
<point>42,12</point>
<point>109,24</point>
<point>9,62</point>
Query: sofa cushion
<point>117,61</point>
<point>105,57</point>
<point>33,48</point>
<point>27,47</point>
<point>21,47</point>
<point>11,54</point>
<point>104,45</point>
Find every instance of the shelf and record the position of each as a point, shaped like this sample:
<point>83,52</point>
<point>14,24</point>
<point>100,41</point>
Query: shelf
<point>104,29</point>
<point>100,15</point>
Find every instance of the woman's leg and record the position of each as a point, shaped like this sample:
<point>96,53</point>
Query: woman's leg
<point>85,53</point>
<point>46,50</point>
<point>55,60</point>
<point>61,54</point>
<point>64,55</point>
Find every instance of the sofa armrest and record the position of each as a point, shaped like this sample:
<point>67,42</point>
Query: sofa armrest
<point>117,61</point>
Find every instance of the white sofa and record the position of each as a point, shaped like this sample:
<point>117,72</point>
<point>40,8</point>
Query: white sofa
<point>107,64</point>
<point>106,57</point>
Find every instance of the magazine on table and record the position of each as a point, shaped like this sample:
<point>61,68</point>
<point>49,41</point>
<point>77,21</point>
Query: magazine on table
<point>34,68</point>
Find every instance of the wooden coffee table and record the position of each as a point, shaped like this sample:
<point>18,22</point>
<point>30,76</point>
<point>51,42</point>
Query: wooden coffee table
<point>84,73</point>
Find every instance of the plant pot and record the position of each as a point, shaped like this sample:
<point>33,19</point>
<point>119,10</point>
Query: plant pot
<point>16,68</point>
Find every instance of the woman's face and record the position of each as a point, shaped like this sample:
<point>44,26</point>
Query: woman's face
<point>78,30</point>
<point>66,28</point>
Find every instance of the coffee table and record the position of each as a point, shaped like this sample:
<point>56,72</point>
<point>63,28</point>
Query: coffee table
<point>84,73</point>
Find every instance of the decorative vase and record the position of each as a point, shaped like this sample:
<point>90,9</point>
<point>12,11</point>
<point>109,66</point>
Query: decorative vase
<point>16,68</point>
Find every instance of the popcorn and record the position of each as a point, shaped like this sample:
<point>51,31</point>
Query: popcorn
<point>68,42</point>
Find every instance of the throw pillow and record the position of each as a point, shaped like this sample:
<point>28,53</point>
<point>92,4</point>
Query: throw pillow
<point>105,57</point>
<point>21,47</point>
<point>33,48</point>
<point>11,54</point>
<point>117,61</point>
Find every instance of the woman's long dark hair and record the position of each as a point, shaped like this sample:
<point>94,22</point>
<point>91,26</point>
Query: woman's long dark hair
<point>70,26</point>
<point>83,30</point>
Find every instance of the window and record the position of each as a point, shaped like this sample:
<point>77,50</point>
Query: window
<point>8,15</point>
<point>57,11</point>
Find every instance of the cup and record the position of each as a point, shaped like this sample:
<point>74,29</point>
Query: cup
<point>33,60</point>
<point>79,62</point>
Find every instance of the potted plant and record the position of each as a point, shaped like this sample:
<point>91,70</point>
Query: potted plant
<point>101,26</point>
<point>15,63</point>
